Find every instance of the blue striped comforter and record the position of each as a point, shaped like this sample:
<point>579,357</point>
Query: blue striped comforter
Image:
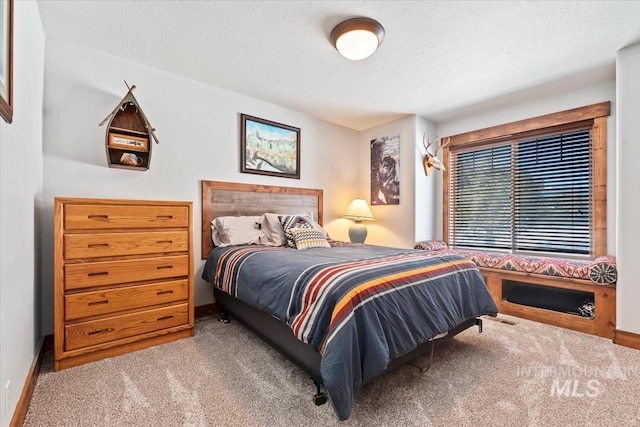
<point>352,301</point>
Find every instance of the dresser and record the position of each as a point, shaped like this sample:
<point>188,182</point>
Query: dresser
<point>123,277</point>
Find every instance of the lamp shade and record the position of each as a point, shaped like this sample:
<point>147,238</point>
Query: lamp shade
<point>357,38</point>
<point>358,210</point>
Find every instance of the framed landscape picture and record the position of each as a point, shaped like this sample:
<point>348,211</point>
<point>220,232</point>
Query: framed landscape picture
<point>6,60</point>
<point>269,148</point>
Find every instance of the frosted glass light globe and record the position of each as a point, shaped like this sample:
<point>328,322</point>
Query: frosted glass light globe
<point>357,44</point>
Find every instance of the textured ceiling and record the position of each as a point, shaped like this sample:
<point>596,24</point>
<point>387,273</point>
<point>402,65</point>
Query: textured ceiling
<point>438,60</point>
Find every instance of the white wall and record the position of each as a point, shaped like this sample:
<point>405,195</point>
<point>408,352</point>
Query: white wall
<point>198,128</point>
<point>415,218</point>
<point>21,192</point>
<point>428,189</point>
<point>551,104</point>
<point>628,202</point>
<point>394,224</point>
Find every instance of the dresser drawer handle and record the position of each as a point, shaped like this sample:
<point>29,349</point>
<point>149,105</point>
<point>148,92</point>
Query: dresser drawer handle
<point>164,216</point>
<point>164,292</point>
<point>98,216</point>
<point>164,267</point>
<point>99,273</point>
<point>106,301</point>
<point>98,245</point>
<point>100,331</point>
<point>159,242</point>
<point>167,317</point>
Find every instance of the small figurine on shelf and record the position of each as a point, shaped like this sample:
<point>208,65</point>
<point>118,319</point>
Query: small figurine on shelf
<point>131,159</point>
<point>129,129</point>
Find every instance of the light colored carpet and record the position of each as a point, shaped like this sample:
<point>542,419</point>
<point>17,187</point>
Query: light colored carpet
<point>225,376</point>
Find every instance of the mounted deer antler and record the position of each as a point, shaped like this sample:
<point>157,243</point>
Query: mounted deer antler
<point>431,161</point>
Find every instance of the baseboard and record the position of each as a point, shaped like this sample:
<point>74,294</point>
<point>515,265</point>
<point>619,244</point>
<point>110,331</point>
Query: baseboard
<point>22,406</point>
<point>46,344</point>
<point>627,339</point>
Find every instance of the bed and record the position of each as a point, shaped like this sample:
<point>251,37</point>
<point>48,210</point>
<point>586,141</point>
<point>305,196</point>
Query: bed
<point>343,313</point>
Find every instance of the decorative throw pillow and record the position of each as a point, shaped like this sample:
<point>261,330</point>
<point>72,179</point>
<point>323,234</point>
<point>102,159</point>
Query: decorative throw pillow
<point>603,270</point>
<point>294,221</point>
<point>306,238</point>
<point>587,309</point>
<point>431,245</point>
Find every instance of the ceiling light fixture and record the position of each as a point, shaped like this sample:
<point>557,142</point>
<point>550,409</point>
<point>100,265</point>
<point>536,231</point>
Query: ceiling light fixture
<point>357,38</point>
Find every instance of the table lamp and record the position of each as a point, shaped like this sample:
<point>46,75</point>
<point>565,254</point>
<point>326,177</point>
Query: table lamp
<point>358,210</point>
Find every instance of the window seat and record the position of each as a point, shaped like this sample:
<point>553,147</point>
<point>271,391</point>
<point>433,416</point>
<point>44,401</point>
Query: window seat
<point>575,294</point>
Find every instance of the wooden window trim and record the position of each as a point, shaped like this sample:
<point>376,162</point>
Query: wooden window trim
<point>599,189</point>
<point>596,112</point>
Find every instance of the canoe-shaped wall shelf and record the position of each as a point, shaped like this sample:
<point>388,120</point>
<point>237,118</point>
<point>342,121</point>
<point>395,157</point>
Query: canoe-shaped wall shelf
<point>129,135</point>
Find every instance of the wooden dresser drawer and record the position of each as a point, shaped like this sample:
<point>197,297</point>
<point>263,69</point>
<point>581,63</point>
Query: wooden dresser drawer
<point>88,274</point>
<point>85,304</point>
<point>92,217</point>
<point>127,325</point>
<point>123,276</point>
<point>113,244</point>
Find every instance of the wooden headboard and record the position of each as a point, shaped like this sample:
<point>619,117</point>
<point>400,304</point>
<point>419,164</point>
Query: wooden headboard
<point>233,199</point>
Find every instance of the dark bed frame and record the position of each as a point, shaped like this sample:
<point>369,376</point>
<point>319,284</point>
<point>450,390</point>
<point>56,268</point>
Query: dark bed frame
<point>223,199</point>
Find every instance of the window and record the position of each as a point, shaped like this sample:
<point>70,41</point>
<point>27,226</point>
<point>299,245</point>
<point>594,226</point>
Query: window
<point>535,191</point>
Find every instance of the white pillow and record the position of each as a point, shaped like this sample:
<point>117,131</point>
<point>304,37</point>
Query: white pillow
<point>215,235</point>
<point>236,230</point>
<point>319,228</point>
<point>273,231</point>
